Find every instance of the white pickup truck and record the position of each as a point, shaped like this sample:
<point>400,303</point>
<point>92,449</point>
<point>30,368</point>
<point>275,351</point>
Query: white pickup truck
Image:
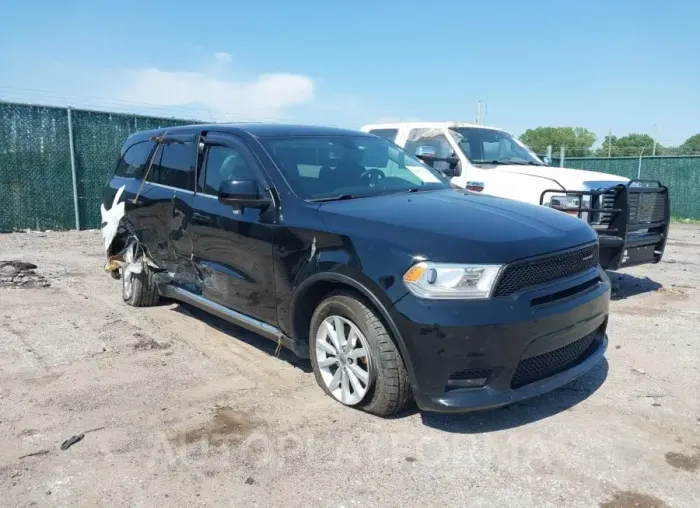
<point>631,216</point>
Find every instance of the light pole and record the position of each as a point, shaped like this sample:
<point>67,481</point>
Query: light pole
<point>639,166</point>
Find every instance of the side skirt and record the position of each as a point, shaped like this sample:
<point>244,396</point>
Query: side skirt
<point>247,322</point>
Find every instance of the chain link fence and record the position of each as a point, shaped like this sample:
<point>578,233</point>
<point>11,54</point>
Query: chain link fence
<point>36,182</point>
<point>36,179</point>
<point>680,174</point>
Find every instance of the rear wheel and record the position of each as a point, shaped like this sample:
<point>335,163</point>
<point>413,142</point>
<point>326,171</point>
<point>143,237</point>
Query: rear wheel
<point>139,289</point>
<point>354,358</point>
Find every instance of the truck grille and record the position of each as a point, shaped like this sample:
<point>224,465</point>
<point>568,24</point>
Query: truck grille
<point>545,365</point>
<point>647,207</point>
<point>522,274</point>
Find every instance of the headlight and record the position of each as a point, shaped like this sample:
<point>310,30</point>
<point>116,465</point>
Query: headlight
<point>560,202</point>
<point>443,281</point>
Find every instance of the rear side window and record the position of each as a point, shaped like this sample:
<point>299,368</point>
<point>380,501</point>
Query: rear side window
<point>389,134</point>
<point>133,163</point>
<point>174,165</point>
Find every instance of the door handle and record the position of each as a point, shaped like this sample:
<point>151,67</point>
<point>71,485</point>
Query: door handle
<point>201,218</point>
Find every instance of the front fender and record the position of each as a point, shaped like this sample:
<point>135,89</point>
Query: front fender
<point>370,291</point>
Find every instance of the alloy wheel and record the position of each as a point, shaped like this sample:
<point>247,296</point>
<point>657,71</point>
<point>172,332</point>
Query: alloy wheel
<point>343,358</point>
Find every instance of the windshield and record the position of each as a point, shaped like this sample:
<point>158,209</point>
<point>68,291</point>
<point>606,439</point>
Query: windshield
<point>344,167</point>
<point>490,146</point>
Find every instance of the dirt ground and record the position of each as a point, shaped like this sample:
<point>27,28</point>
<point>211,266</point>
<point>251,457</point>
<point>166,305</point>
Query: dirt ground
<point>180,409</point>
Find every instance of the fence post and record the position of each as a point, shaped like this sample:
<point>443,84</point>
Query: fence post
<point>562,155</point>
<point>72,169</point>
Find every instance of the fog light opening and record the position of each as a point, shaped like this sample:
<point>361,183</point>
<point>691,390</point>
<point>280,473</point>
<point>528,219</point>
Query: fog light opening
<point>468,379</point>
<point>454,384</point>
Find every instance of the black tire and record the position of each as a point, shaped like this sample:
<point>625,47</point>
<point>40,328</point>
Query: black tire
<point>144,290</point>
<point>390,389</point>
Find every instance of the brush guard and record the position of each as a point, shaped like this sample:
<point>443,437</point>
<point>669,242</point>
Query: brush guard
<point>631,220</point>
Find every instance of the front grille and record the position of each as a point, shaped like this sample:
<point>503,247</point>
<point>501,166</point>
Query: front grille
<point>647,207</point>
<point>545,365</point>
<point>522,274</point>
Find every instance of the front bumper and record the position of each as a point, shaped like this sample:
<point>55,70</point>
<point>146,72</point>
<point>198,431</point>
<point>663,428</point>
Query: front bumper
<point>522,349</point>
<point>631,220</point>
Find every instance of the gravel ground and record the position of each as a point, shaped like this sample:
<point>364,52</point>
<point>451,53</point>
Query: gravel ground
<point>178,408</point>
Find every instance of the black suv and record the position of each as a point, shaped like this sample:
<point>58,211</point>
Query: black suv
<point>344,248</point>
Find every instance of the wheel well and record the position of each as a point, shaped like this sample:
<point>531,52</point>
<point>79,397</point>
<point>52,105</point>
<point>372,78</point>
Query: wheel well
<point>304,310</point>
<point>313,296</point>
<point>308,301</point>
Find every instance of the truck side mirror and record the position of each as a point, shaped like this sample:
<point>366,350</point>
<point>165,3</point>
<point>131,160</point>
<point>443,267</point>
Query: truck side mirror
<point>425,151</point>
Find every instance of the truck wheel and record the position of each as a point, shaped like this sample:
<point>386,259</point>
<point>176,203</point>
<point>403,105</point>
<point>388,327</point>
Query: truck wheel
<point>140,289</point>
<point>354,358</point>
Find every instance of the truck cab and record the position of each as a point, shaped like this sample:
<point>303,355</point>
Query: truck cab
<point>631,217</point>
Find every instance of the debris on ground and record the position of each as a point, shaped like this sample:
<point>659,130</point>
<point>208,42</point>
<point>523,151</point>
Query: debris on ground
<point>638,371</point>
<point>19,274</point>
<point>35,454</point>
<point>250,480</point>
<point>71,441</point>
<point>146,344</point>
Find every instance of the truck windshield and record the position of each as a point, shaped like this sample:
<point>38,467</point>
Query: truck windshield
<point>491,146</point>
<point>326,168</point>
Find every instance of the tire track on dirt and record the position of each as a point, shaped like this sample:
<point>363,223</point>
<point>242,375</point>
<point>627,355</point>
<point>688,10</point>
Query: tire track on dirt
<point>246,358</point>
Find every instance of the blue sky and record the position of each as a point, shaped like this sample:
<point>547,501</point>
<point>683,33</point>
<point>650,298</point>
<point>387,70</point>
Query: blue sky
<point>626,65</point>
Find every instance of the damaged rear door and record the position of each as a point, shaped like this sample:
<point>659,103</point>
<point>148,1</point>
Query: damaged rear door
<point>164,204</point>
<point>233,246</point>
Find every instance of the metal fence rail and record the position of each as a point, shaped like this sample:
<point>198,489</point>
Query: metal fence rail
<point>55,161</point>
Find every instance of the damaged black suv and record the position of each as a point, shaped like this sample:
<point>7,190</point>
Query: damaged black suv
<point>344,248</point>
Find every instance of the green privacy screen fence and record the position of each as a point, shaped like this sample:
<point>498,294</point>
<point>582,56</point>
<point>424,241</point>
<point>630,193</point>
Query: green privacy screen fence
<point>680,174</point>
<point>36,182</point>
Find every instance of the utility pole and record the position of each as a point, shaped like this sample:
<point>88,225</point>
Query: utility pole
<point>656,136</point>
<point>478,111</point>
<point>609,143</point>
<point>486,105</point>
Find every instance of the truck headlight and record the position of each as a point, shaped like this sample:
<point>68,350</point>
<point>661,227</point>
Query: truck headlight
<point>559,202</point>
<point>445,281</point>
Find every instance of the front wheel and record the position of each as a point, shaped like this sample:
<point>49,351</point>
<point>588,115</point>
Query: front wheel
<point>354,358</point>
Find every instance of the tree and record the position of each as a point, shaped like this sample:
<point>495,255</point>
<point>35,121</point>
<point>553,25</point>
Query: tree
<point>690,146</point>
<point>629,146</point>
<point>577,140</point>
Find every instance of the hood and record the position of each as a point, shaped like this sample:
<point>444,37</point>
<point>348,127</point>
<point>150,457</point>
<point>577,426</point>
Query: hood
<point>570,179</point>
<point>456,226</point>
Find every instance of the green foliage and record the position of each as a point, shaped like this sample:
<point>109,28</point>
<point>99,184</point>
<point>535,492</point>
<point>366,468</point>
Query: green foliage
<point>629,146</point>
<point>577,140</point>
<point>690,146</point>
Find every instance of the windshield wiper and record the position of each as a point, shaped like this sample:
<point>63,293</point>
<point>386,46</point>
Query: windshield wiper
<point>339,197</point>
<point>514,163</point>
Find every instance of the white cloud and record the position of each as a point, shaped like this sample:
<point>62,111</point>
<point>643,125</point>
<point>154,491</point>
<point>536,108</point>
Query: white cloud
<point>222,56</point>
<point>263,98</point>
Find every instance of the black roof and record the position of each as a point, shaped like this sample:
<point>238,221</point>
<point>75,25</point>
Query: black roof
<point>260,130</point>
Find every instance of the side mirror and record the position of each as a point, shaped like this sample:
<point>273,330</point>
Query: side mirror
<point>243,193</point>
<point>425,151</point>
